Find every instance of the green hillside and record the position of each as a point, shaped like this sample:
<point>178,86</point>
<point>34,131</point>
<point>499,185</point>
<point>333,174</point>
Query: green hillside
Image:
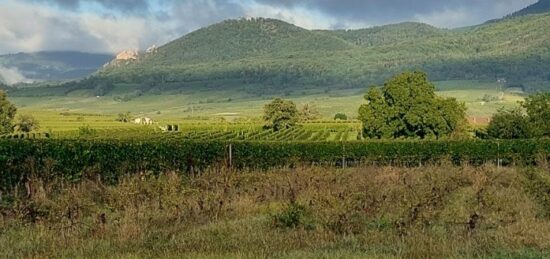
<point>239,39</point>
<point>389,34</point>
<point>277,55</point>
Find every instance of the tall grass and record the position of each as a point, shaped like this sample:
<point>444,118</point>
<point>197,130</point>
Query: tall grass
<point>426,212</point>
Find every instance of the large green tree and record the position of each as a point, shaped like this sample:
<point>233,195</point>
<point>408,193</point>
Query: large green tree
<point>7,113</point>
<point>407,107</point>
<point>538,114</point>
<point>531,120</point>
<point>280,114</point>
<point>508,124</point>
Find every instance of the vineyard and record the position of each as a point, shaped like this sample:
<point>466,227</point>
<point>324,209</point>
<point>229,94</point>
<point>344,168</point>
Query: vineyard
<point>74,159</point>
<point>190,147</point>
<point>210,132</point>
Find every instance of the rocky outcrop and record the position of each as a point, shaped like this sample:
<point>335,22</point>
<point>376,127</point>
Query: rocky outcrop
<point>123,58</point>
<point>127,55</point>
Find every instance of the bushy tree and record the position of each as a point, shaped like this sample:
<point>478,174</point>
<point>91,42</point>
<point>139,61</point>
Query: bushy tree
<point>537,108</point>
<point>280,114</point>
<point>7,113</point>
<point>407,107</point>
<point>340,116</point>
<point>124,117</point>
<point>531,120</point>
<point>27,123</point>
<point>309,112</point>
<point>508,124</point>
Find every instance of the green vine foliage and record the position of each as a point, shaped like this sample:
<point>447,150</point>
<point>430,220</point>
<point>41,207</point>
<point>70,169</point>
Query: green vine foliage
<point>73,160</point>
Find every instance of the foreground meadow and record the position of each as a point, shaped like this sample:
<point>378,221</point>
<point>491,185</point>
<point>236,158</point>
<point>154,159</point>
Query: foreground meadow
<point>307,212</point>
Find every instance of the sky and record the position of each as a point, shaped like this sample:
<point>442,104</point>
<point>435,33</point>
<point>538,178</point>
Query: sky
<point>110,26</point>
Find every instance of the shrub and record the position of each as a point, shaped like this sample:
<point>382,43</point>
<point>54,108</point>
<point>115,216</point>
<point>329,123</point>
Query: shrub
<point>293,216</point>
<point>27,123</point>
<point>340,116</point>
<point>124,117</point>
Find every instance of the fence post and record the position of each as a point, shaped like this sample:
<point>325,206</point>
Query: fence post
<point>230,155</point>
<point>498,154</point>
<point>343,156</point>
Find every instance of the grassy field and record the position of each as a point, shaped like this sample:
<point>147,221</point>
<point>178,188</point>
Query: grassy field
<point>427,212</point>
<point>472,93</point>
<point>188,105</point>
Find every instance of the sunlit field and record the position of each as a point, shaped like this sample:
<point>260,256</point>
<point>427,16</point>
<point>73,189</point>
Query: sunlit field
<point>71,112</point>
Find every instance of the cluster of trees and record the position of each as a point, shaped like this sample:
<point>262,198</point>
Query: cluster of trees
<point>407,107</point>
<point>283,114</point>
<point>24,123</point>
<point>530,120</point>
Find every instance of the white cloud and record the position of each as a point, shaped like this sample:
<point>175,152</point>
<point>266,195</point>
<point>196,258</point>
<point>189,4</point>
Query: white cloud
<point>298,16</point>
<point>27,27</point>
<point>12,76</point>
<point>34,25</point>
<point>448,18</point>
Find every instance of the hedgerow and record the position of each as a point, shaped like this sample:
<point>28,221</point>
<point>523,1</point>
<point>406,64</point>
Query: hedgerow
<point>73,160</point>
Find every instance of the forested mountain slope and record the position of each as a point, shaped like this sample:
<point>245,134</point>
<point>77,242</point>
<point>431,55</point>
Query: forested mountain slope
<point>542,6</point>
<point>275,54</point>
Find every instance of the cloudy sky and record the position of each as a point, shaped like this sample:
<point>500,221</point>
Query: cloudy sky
<point>114,25</point>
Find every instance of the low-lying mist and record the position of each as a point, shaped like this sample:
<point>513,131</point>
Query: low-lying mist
<point>11,76</point>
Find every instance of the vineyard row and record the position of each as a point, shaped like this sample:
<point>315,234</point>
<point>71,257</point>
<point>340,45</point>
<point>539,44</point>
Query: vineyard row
<point>74,159</point>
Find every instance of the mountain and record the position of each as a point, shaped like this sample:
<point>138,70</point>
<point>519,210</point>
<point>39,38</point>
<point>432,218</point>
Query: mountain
<point>542,6</point>
<point>268,56</point>
<point>246,38</point>
<point>45,66</point>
